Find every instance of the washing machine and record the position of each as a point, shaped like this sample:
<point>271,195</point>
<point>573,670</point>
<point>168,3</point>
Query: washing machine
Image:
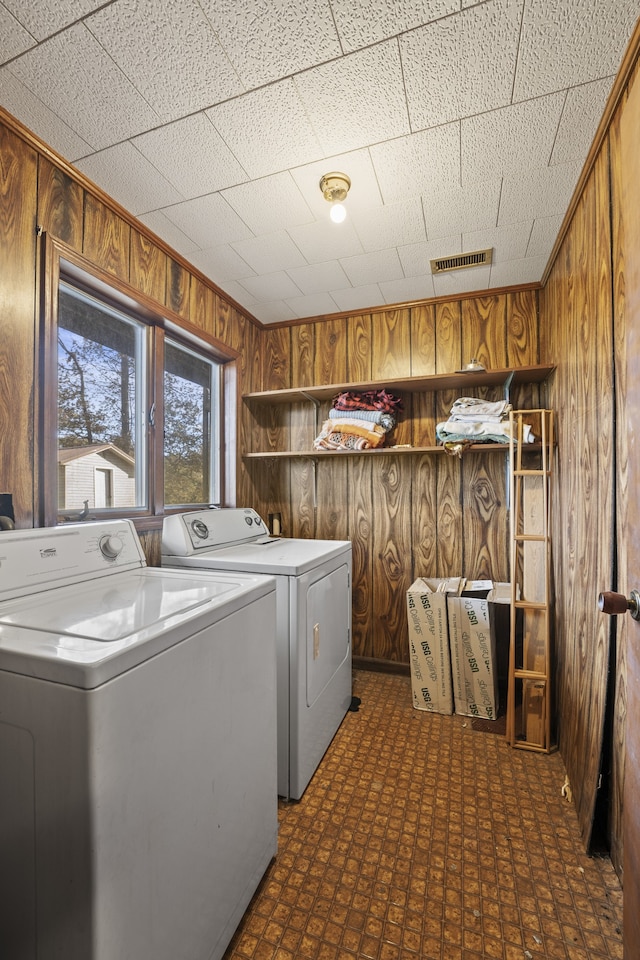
<point>313,599</point>
<point>138,808</point>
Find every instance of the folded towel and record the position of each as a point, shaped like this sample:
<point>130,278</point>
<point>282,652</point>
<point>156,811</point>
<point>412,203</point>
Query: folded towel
<point>386,420</point>
<point>473,409</point>
<point>480,432</point>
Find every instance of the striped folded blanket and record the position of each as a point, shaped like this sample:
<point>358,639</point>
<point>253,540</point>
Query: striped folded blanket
<point>385,420</point>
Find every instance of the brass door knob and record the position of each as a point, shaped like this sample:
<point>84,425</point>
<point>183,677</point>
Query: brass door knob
<point>615,603</point>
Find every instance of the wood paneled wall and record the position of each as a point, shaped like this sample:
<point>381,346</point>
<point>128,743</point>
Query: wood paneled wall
<point>583,329</point>
<point>406,515</point>
<point>37,191</point>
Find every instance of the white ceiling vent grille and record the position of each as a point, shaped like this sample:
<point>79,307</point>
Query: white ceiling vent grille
<point>478,258</point>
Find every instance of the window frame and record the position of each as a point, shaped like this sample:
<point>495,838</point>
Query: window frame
<point>61,263</point>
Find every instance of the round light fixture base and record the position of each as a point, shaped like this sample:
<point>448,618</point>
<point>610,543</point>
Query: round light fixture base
<point>335,187</point>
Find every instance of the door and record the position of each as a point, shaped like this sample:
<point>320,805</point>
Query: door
<point>630,152</point>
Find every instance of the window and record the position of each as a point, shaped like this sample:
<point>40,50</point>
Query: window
<point>132,405</point>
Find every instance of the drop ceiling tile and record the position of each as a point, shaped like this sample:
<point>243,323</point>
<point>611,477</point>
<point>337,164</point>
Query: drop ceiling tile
<point>461,281</point>
<point>325,240</point>
<point>275,312</point>
<point>169,232</point>
<point>502,142</point>
<point>415,257</point>
<point>127,176</point>
<point>364,22</point>
<point>410,288</point>
<point>270,252</point>
<point>45,17</point>
<point>14,39</point>
<point>275,38</point>
<point>207,221</point>
<point>568,42</point>
<point>357,165</point>
<point>221,263</point>
<point>392,225</point>
<point>319,277</point>
<point>357,298</point>
<point>543,236</point>
<point>409,166</point>
<point>269,204</point>
<point>192,156</point>
<point>271,286</point>
<point>451,210</point>
<point>373,267</point>
<point>22,103</point>
<point>143,35</point>
<point>509,242</point>
<point>512,272</point>
<point>276,119</point>
<point>313,305</point>
<point>56,72</point>
<point>357,100</point>
<point>240,295</point>
<point>583,109</point>
<point>539,192</point>
<point>461,65</point>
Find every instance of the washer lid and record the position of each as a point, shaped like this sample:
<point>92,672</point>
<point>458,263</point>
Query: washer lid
<point>86,634</point>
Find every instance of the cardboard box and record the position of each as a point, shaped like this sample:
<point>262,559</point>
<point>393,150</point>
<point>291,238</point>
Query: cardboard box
<point>472,617</point>
<point>429,643</point>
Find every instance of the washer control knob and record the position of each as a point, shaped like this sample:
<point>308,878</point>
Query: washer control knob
<point>110,547</point>
<point>200,529</point>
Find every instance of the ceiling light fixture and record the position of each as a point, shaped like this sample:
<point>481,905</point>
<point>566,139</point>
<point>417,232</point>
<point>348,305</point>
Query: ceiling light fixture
<point>335,187</point>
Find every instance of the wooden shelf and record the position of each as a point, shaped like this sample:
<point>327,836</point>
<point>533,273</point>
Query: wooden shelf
<point>432,383</point>
<point>378,451</point>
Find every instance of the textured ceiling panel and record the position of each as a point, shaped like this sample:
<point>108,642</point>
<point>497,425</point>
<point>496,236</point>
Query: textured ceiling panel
<point>364,22</point>
<point>357,100</point>
<point>392,225</point>
<point>537,193</point>
<point>208,221</point>
<point>461,209</point>
<point>14,39</point>
<point>410,166</point>
<point>373,267</point>
<point>192,156</point>
<point>19,100</point>
<point>461,123</point>
<point>568,42</point>
<point>269,203</point>
<point>100,104</point>
<point>126,175</point>
<point>42,18</point>
<point>502,142</point>
<point>148,41</point>
<point>268,131</point>
<point>221,263</point>
<point>461,65</point>
<point>580,118</point>
<point>275,251</point>
<point>270,39</point>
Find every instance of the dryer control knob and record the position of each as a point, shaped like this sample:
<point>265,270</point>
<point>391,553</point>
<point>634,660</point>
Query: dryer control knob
<point>200,529</point>
<point>110,547</point>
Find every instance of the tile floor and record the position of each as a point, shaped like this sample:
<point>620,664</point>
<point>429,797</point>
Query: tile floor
<point>420,838</point>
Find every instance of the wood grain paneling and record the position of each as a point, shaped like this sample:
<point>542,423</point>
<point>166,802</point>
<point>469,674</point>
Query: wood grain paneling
<point>448,321</point>
<point>391,344</point>
<point>359,348</point>
<point>423,340</point>
<point>106,238</point>
<point>60,204</point>
<point>330,354</point>
<point>18,179</point>
<point>178,289</point>
<point>484,331</point>
<point>148,268</point>
<point>360,532</point>
<point>202,309</point>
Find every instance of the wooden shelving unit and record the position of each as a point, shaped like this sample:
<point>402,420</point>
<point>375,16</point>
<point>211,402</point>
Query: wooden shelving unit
<point>529,680</point>
<point>324,393</point>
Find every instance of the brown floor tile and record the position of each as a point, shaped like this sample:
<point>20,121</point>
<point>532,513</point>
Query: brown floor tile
<point>420,838</point>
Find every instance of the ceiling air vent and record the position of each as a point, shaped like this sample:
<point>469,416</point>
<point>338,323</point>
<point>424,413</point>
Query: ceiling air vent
<point>478,258</point>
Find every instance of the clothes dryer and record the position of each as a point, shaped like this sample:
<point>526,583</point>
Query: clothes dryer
<point>313,598</point>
